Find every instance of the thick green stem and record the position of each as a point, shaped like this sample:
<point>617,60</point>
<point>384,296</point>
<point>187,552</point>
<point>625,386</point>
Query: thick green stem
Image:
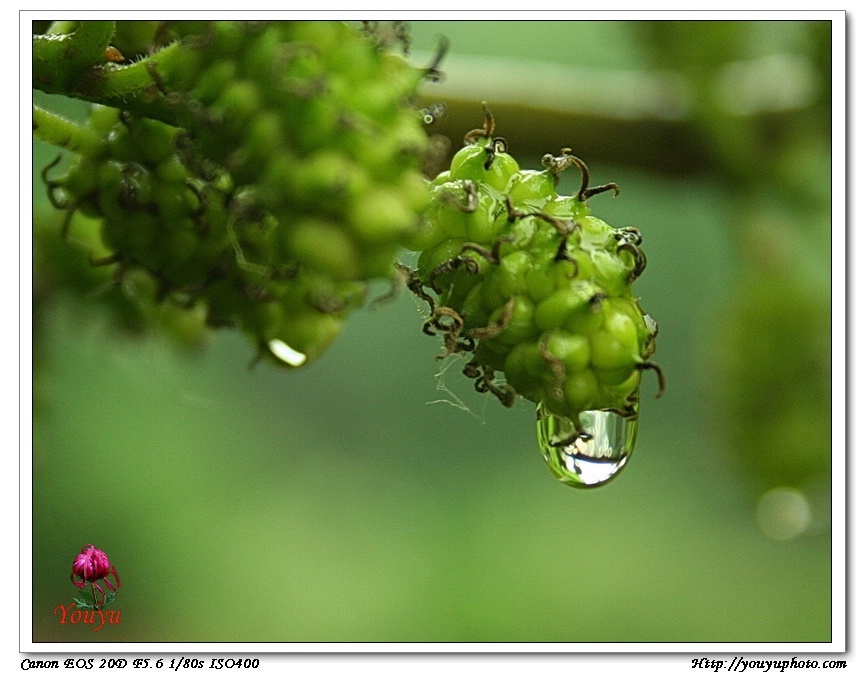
<point>62,27</point>
<point>60,60</point>
<point>133,87</point>
<point>61,132</point>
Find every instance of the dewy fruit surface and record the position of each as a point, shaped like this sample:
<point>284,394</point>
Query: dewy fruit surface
<point>532,288</point>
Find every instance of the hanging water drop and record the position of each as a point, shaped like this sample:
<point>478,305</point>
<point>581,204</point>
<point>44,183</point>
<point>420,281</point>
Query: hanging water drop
<point>592,454</point>
<point>286,353</point>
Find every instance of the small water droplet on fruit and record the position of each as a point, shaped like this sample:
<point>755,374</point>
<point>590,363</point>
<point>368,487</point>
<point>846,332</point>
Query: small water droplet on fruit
<point>589,455</point>
<point>286,353</point>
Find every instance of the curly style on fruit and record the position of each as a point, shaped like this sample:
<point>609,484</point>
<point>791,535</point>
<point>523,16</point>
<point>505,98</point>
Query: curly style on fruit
<point>531,285</point>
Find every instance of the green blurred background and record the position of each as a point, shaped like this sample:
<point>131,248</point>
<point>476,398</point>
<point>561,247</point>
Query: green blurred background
<point>375,497</point>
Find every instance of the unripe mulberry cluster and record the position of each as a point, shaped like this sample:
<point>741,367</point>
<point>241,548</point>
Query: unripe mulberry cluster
<point>531,288</point>
<point>289,181</point>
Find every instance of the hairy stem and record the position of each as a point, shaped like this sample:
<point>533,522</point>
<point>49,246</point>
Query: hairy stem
<point>131,86</point>
<point>61,27</point>
<point>60,59</point>
<point>61,132</point>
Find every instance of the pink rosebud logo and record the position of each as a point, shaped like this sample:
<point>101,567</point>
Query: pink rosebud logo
<point>90,566</point>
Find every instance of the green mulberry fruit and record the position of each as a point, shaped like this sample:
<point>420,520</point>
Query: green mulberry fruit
<point>315,124</point>
<point>537,294</point>
<point>283,177</point>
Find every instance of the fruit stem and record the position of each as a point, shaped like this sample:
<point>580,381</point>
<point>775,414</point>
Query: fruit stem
<point>60,132</point>
<point>75,65</point>
<point>60,60</point>
<point>61,27</point>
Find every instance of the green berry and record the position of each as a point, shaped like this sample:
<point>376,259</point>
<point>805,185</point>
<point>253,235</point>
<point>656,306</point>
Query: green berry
<point>532,188</point>
<point>539,287</point>
<point>573,350</point>
<point>289,182</point>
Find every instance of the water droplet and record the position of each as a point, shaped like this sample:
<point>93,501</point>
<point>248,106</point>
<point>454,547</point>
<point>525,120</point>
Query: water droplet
<point>286,353</point>
<point>783,513</point>
<point>590,455</point>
